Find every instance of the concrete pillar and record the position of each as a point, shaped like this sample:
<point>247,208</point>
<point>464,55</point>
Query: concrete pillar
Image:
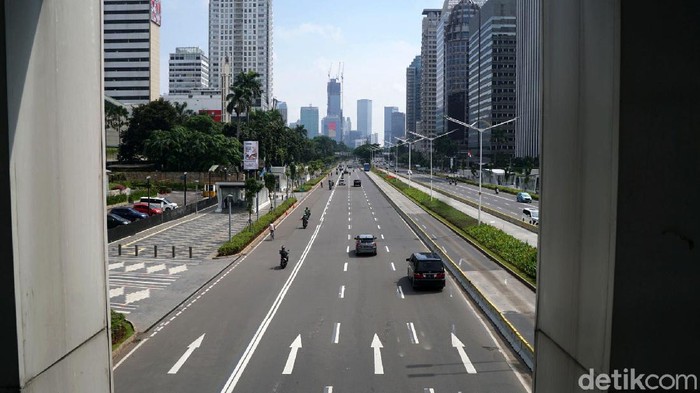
<point>54,330</point>
<point>619,235</point>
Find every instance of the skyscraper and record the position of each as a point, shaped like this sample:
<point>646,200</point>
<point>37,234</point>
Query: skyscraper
<point>398,126</point>
<point>429,72</point>
<point>364,117</point>
<point>132,50</point>
<point>308,117</point>
<point>332,124</point>
<point>388,110</point>
<point>242,30</point>
<point>413,111</point>
<point>188,70</point>
<point>492,64</point>
<point>528,77</point>
<point>440,62</point>
<point>282,108</point>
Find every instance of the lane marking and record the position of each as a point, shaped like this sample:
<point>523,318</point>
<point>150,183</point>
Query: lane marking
<point>387,248</point>
<point>382,236</point>
<point>393,267</point>
<point>130,353</point>
<point>328,389</point>
<point>378,227</point>
<point>412,332</point>
<point>347,249</point>
<point>349,226</point>
<point>377,346</point>
<point>345,267</point>
<point>341,294</point>
<point>456,343</point>
<point>336,333</point>
<point>289,366</point>
<point>375,218</point>
<point>348,236</point>
<point>399,291</point>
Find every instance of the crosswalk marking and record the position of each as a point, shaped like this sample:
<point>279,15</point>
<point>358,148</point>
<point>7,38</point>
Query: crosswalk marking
<point>136,266</point>
<point>116,292</point>
<point>156,268</point>
<point>178,269</point>
<point>136,296</point>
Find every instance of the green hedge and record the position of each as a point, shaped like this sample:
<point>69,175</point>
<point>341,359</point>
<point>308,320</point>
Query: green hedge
<point>240,240</point>
<point>131,198</point>
<point>507,190</point>
<point>515,252</point>
<point>309,184</point>
<point>121,328</point>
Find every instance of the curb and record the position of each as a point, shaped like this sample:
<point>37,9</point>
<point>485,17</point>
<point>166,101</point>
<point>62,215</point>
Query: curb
<point>507,330</point>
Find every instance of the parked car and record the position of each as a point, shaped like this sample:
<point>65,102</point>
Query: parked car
<point>524,197</point>
<point>531,216</point>
<point>425,269</point>
<point>365,244</point>
<point>129,213</point>
<point>114,220</point>
<point>147,208</point>
<point>357,183</point>
<point>164,203</point>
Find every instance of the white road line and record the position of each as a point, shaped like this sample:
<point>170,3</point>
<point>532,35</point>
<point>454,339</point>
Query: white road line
<point>136,266</point>
<point>347,249</point>
<point>341,294</point>
<point>393,267</point>
<point>328,389</point>
<point>129,354</point>
<point>116,265</point>
<point>349,219</point>
<point>412,333</point>
<point>424,227</point>
<point>336,333</point>
<point>387,248</point>
<point>178,269</point>
<point>289,366</point>
<point>375,218</point>
<point>156,268</point>
<point>349,226</point>
<point>428,390</point>
<point>372,213</point>
<point>116,292</point>
<point>382,236</point>
<point>348,236</point>
<point>190,348</point>
<point>345,267</point>
<point>378,227</point>
<point>399,291</point>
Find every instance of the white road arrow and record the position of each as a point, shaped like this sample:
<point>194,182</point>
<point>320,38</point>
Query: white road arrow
<point>463,355</point>
<point>296,344</point>
<point>190,348</point>
<point>377,345</point>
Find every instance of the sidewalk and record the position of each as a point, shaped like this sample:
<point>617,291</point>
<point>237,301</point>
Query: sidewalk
<point>511,229</point>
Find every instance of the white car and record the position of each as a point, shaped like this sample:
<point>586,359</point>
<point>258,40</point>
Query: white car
<point>531,216</point>
<point>164,203</point>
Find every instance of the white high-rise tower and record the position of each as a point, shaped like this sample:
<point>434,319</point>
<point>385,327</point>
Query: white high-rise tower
<point>241,29</point>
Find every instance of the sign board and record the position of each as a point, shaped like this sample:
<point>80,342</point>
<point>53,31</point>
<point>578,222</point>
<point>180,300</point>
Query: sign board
<point>250,155</point>
<point>155,12</point>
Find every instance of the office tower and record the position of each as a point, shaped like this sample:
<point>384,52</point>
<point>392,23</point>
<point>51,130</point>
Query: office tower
<point>429,71</point>
<point>308,117</point>
<point>332,124</point>
<point>398,126</point>
<point>528,77</point>
<point>132,50</point>
<point>188,70</point>
<point>364,117</point>
<point>242,30</point>
<point>282,108</point>
<point>413,73</point>
<point>440,65</point>
<point>388,110</point>
<point>492,65</point>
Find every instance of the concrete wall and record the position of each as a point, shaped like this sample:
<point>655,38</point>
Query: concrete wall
<point>55,332</point>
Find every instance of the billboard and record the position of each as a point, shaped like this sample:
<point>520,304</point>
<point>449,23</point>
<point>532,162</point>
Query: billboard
<point>155,11</point>
<point>250,155</point>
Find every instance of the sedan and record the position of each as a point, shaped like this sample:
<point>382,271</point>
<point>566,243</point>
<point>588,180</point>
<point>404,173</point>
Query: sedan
<point>129,213</point>
<point>524,197</point>
<point>114,221</point>
<point>147,208</point>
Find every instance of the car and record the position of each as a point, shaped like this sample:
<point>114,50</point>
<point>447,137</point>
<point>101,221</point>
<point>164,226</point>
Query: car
<point>357,183</point>
<point>524,197</point>
<point>114,220</point>
<point>409,172</point>
<point>341,182</point>
<point>531,216</point>
<point>365,244</point>
<point>164,203</point>
<point>426,269</point>
<point>129,213</point>
<point>147,208</point>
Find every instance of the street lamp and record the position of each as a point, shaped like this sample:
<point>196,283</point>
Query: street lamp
<point>431,154</point>
<point>481,132</point>
<point>410,147</point>
<point>228,199</point>
<point>196,191</point>
<point>148,186</point>
<point>185,177</point>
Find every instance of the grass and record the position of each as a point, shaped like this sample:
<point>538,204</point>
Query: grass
<point>121,329</point>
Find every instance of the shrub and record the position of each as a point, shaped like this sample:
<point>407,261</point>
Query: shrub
<point>121,328</point>
<point>115,199</point>
<point>117,186</point>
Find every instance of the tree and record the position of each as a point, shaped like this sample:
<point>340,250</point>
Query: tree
<point>245,91</point>
<point>252,187</point>
<point>185,149</point>
<point>116,117</point>
<point>146,118</point>
<point>270,182</point>
<point>182,112</point>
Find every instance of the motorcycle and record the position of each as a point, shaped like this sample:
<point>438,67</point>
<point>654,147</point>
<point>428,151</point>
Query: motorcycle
<point>284,258</point>
<point>304,221</point>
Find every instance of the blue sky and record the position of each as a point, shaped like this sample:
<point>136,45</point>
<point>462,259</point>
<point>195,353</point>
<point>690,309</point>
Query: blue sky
<point>375,40</point>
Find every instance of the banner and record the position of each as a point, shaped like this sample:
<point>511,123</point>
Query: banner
<point>250,155</point>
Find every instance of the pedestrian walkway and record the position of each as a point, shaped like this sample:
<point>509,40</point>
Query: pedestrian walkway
<point>507,227</point>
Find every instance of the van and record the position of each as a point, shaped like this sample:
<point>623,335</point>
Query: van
<point>426,269</point>
<point>531,216</point>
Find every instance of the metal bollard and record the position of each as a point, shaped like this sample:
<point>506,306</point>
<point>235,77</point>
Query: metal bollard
<point>120,250</point>
<point>190,252</point>
<point>155,251</point>
<point>173,251</point>
<point>136,250</point>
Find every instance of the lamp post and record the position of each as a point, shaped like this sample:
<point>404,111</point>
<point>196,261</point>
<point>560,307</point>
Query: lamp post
<point>196,191</point>
<point>431,154</point>
<point>410,147</point>
<point>228,199</point>
<point>185,178</point>
<point>148,186</point>
<point>481,132</point>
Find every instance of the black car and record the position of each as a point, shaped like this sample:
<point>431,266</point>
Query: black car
<point>129,213</point>
<point>426,269</point>
<point>114,221</point>
<point>357,183</point>
<point>366,244</point>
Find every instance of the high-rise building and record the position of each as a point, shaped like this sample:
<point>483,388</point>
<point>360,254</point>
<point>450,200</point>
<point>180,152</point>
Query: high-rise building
<point>388,110</point>
<point>413,112</point>
<point>282,108</point>
<point>332,124</point>
<point>308,117</point>
<point>492,67</point>
<point>528,85</point>
<point>188,70</point>
<point>428,74</point>
<point>242,30</point>
<point>398,126</point>
<point>132,50</point>
<point>440,62</point>
<point>364,117</point>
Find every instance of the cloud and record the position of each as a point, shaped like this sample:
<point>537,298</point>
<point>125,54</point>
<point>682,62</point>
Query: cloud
<point>326,32</point>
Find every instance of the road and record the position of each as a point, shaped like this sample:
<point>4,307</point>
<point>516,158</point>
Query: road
<point>329,322</point>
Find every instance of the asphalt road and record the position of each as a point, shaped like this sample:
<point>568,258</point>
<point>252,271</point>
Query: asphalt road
<point>330,322</point>
<point>503,202</point>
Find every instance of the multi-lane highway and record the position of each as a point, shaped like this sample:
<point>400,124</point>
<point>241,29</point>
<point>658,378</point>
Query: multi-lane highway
<point>330,322</point>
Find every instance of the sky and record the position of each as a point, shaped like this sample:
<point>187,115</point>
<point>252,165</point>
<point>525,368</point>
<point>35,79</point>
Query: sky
<point>375,40</point>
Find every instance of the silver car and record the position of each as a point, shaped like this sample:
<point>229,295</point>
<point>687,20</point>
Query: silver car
<point>365,244</point>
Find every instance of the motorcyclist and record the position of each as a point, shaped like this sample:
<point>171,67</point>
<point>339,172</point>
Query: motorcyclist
<point>284,253</point>
<point>307,212</point>
<point>496,188</point>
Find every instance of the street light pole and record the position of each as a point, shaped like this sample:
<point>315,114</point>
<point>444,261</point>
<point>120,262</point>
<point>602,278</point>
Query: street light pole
<point>228,198</point>
<point>481,132</point>
<point>196,191</point>
<point>431,154</point>
<point>148,186</point>
<point>410,148</point>
<point>185,177</point>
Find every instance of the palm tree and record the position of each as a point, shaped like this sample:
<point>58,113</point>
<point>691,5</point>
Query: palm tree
<point>246,89</point>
